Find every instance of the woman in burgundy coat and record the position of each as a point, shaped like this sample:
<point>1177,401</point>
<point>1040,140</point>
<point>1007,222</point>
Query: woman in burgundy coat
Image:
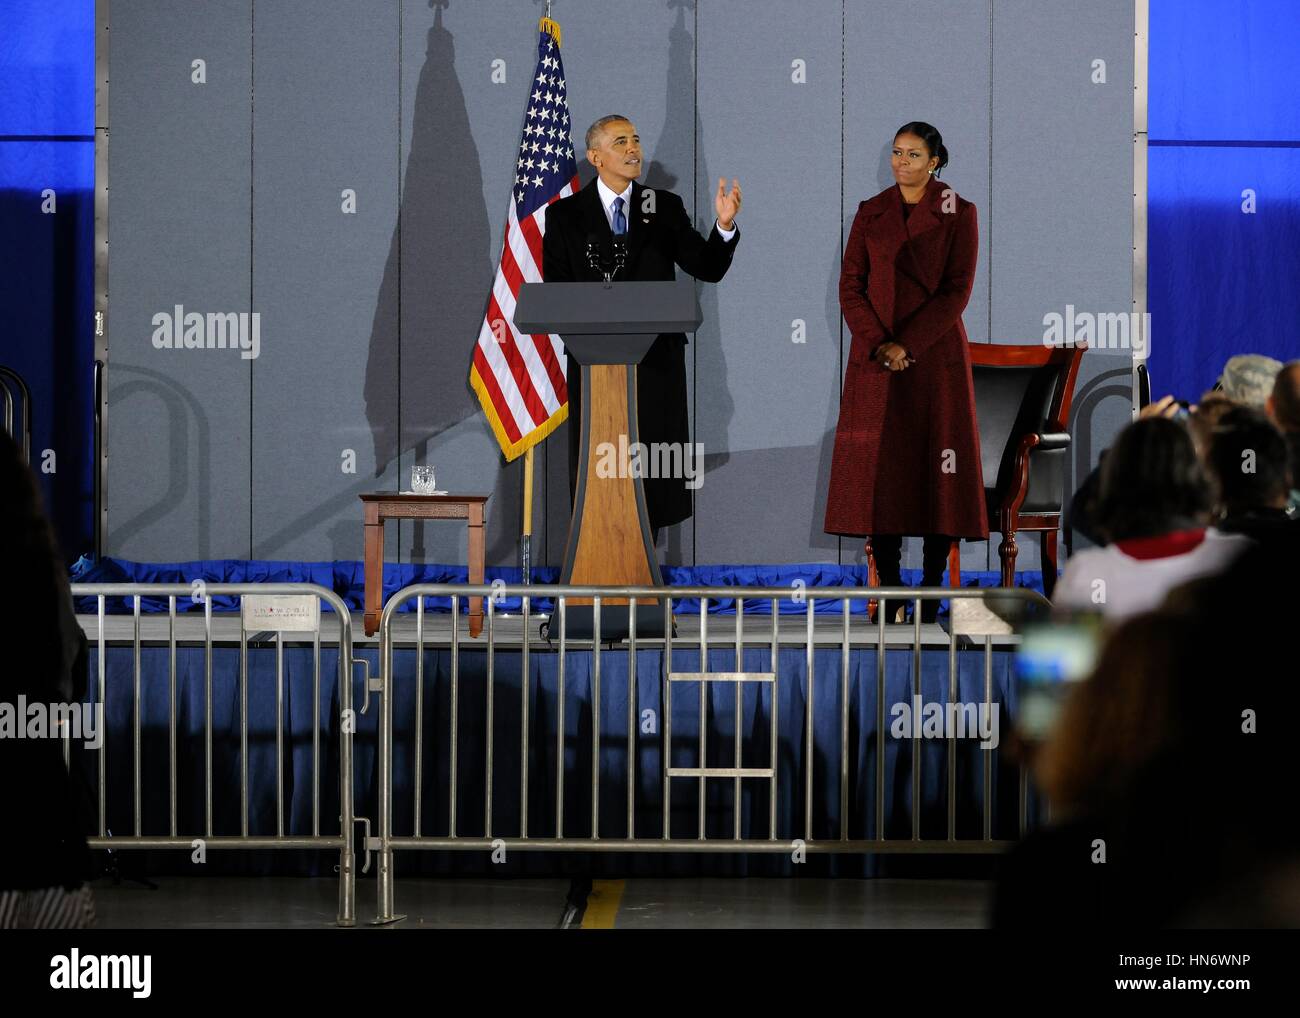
<point>907,455</point>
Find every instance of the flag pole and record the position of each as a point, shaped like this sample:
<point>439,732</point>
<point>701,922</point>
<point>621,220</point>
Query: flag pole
<point>526,540</point>
<point>501,393</point>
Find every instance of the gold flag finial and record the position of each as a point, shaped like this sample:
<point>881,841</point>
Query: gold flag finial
<point>547,25</point>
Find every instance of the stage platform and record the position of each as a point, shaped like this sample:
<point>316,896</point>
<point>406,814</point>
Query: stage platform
<point>466,724</point>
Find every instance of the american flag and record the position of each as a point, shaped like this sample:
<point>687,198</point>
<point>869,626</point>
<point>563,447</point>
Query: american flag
<point>520,379</point>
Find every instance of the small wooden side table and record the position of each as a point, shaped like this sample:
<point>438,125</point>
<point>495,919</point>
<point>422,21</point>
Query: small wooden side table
<point>395,505</point>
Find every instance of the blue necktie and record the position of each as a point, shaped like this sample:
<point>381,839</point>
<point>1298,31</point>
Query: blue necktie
<point>620,220</point>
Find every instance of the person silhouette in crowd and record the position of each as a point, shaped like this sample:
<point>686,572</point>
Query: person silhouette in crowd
<point>1247,380</point>
<point>1166,771</point>
<point>1283,409</point>
<point>44,859</point>
<point>1248,463</point>
<point>1154,509</point>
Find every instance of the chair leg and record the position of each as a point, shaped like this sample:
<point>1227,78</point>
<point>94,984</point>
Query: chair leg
<point>954,565</point>
<point>1007,552</point>
<point>873,579</point>
<point>1048,545</point>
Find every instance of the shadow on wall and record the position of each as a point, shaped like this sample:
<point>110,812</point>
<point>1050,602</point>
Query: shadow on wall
<point>438,272</point>
<point>680,144</point>
<point>674,148</point>
<point>179,409</point>
<point>817,535</point>
<point>710,362</point>
<point>884,169</point>
<point>442,298</point>
<point>1088,399</point>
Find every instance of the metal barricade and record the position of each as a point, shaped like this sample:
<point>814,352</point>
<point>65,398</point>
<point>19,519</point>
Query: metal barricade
<point>167,635</point>
<point>842,630</point>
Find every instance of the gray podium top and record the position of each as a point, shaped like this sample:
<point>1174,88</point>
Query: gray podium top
<point>635,306</point>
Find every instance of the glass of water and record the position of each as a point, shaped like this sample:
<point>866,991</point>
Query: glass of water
<point>422,480</point>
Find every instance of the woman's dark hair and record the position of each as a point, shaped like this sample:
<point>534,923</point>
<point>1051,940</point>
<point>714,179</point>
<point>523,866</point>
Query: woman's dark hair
<point>1151,482</point>
<point>1243,431</point>
<point>929,134</point>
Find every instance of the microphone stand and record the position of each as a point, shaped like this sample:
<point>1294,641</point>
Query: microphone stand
<point>601,266</point>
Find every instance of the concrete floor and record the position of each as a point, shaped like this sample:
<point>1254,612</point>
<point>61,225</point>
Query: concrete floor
<point>303,903</point>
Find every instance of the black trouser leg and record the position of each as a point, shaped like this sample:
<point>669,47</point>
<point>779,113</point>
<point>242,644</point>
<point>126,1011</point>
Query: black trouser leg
<point>887,550</point>
<point>934,557</point>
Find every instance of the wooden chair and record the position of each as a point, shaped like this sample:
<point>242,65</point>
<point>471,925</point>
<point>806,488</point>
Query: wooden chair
<point>1022,406</point>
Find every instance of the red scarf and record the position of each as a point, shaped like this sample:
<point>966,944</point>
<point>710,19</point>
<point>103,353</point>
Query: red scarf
<point>1180,542</point>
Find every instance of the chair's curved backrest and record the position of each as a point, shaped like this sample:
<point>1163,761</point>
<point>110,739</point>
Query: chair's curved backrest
<point>1019,390</point>
<point>11,386</point>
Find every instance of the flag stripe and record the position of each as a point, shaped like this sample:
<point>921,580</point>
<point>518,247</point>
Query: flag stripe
<point>509,401</point>
<point>540,343</point>
<point>489,381</point>
<point>528,397</point>
<point>525,348</point>
<point>533,237</point>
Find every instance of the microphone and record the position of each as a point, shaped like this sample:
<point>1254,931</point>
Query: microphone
<point>593,252</point>
<point>620,252</point>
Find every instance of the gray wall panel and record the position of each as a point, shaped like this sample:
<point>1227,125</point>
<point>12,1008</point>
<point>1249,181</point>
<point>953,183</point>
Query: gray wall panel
<point>766,406</point>
<point>1062,152</point>
<point>178,425</point>
<point>460,133</point>
<point>325,120</point>
<point>229,193</point>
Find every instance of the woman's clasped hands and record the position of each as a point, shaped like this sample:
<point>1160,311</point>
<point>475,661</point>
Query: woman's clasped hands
<point>893,357</point>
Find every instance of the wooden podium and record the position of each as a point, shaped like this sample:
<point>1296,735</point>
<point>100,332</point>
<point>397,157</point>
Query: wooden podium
<point>608,328</point>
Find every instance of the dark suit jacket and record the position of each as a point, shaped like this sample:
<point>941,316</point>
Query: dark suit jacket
<point>657,241</point>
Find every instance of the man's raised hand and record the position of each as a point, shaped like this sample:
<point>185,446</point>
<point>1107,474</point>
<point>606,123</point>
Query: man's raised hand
<point>727,203</point>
